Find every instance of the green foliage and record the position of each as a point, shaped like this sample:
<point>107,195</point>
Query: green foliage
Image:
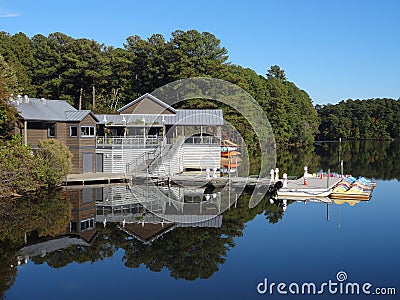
<point>94,76</point>
<point>8,86</point>
<point>22,171</point>
<point>18,168</point>
<point>54,160</point>
<point>360,119</point>
<point>275,71</point>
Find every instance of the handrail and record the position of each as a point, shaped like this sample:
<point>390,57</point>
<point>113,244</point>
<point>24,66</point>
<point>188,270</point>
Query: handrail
<point>132,167</point>
<point>166,155</point>
<point>128,141</point>
<point>206,140</point>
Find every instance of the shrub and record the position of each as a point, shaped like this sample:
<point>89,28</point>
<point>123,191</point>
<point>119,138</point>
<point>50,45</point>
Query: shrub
<point>18,168</point>
<point>54,160</point>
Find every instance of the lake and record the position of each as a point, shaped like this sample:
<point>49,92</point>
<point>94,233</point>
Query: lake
<point>75,243</point>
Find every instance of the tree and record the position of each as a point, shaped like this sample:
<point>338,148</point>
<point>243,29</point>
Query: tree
<point>18,169</point>
<point>8,86</point>
<point>275,71</point>
<point>54,159</point>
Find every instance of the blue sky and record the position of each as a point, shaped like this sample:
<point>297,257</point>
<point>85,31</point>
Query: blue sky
<point>333,49</point>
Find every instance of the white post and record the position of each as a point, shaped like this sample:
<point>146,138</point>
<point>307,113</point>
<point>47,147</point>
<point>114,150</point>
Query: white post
<point>284,180</point>
<point>236,166</point>
<point>215,172</point>
<point>341,167</point>
<point>144,132</point>
<point>208,173</point>
<point>272,172</point>
<point>276,174</point>
<point>305,175</point>
<point>26,133</point>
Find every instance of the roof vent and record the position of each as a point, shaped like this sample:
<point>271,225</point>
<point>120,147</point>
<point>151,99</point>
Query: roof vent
<point>26,99</point>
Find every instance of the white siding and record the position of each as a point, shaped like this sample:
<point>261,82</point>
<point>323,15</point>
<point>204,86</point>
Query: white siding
<point>115,160</point>
<point>201,156</point>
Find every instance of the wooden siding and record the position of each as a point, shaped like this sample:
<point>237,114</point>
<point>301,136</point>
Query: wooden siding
<point>115,160</point>
<point>77,145</point>
<point>34,135</point>
<point>146,106</point>
<point>201,156</point>
<point>61,133</point>
<point>87,141</point>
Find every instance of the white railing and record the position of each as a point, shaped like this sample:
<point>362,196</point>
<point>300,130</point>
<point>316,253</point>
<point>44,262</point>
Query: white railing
<point>207,140</point>
<point>127,142</point>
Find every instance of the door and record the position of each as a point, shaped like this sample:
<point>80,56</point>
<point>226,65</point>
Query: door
<point>99,162</point>
<point>87,162</point>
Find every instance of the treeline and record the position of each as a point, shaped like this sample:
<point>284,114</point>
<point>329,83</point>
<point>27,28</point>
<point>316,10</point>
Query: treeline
<point>360,119</point>
<point>91,75</point>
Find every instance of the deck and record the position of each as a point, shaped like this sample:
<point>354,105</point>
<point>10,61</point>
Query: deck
<point>314,184</point>
<point>94,178</point>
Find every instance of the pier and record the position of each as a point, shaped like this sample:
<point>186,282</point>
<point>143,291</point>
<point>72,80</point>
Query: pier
<point>313,183</point>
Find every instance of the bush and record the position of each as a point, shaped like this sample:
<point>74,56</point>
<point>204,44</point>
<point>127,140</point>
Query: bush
<point>54,160</point>
<point>18,168</point>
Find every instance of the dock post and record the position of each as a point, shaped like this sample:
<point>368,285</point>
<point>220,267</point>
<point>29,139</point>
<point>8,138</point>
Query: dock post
<point>341,167</point>
<point>327,179</point>
<point>327,212</point>
<point>284,180</point>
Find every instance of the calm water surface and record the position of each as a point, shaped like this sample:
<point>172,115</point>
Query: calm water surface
<point>227,258</point>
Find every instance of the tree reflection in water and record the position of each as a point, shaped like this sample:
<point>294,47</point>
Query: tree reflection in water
<point>187,252</point>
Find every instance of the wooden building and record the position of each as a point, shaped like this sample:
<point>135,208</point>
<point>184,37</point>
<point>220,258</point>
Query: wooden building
<point>167,140</point>
<point>56,119</point>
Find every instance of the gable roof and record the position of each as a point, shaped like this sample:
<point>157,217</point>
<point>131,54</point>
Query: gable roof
<point>151,97</point>
<point>50,110</point>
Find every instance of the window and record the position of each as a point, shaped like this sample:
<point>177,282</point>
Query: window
<point>87,224</point>
<point>87,131</point>
<point>51,130</point>
<point>73,226</point>
<point>73,131</point>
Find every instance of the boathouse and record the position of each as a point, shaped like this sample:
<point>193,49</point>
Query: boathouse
<point>145,136</point>
<point>149,135</point>
<point>56,119</point>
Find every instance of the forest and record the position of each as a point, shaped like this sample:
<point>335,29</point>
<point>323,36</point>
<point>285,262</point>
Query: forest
<point>103,78</point>
<point>91,75</point>
<point>360,119</point>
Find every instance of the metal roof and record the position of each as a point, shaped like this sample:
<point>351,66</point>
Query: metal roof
<point>34,109</point>
<point>78,115</point>
<point>199,117</point>
<point>151,97</point>
<point>182,117</point>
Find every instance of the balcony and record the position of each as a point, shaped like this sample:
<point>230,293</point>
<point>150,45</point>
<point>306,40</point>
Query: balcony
<point>121,142</point>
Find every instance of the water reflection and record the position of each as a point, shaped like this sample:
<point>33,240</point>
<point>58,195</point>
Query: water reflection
<point>91,224</point>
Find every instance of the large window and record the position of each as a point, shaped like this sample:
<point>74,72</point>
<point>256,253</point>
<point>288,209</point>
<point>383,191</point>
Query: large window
<point>87,131</point>
<point>51,130</point>
<point>73,131</point>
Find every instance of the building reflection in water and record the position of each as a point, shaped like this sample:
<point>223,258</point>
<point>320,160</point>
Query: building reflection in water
<point>143,212</point>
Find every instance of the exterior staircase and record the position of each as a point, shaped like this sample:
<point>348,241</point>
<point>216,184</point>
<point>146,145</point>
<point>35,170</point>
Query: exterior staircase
<point>170,160</point>
<point>164,160</point>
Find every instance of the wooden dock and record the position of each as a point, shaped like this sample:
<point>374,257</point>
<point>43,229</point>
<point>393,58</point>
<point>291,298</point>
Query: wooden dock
<point>314,185</point>
<point>94,178</point>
